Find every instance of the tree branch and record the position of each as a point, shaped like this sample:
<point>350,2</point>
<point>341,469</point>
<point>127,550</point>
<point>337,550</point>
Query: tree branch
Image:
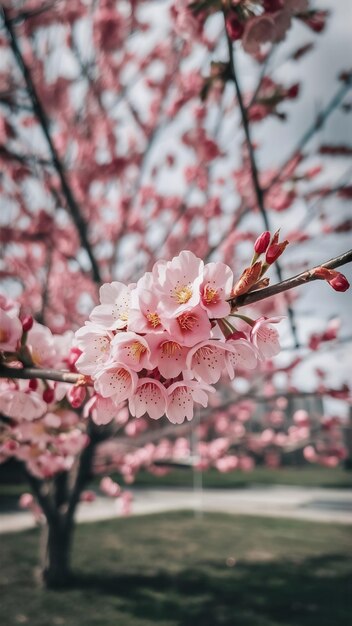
<point>245,300</point>
<point>254,169</point>
<point>44,499</point>
<point>291,283</point>
<point>315,126</point>
<point>26,373</point>
<point>38,110</point>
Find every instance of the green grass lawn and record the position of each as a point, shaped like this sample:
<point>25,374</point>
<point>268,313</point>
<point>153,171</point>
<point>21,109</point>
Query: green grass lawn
<point>308,476</point>
<point>177,570</point>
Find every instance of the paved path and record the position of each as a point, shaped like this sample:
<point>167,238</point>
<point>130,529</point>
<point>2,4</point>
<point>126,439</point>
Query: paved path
<point>302,503</point>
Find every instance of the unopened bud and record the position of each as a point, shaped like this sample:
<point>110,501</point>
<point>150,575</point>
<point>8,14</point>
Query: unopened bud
<point>274,251</point>
<point>234,27</point>
<point>76,396</point>
<point>33,384</point>
<point>293,91</point>
<point>339,282</point>
<point>27,323</point>
<point>262,242</point>
<point>335,279</point>
<point>74,354</point>
<point>48,395</point>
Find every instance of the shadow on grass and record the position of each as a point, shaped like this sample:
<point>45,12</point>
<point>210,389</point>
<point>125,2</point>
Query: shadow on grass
<point>311,592</point>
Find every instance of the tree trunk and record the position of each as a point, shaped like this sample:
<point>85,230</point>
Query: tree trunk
<point>56,571</point>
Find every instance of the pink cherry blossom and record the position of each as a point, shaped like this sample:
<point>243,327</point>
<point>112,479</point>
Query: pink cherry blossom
<point>131,349</point>
<point>178,281</point>
<point>42,345</point>
<point>242,355</point>
<point>266,338</point>
<point>181,398</point>
<point>102,410</point>
<point>112,313</point>
<point>150,397</point>
<point>207,360</point>
<point>10,332</point>
<point>94,342</point>
<point>117,382</point>
<point>109,487</point>
<point>167,354</point>
<point>21,405</point>
<point>144,314</point>
<point>215,289</point>
<point>190,327</point>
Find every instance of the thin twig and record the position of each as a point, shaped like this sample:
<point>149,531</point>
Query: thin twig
<point>38,110</point>
<point>27,373</point>
<point>315,126</point>
<point>254,296</point>
<point>291,283</point>
<point>254,170</point>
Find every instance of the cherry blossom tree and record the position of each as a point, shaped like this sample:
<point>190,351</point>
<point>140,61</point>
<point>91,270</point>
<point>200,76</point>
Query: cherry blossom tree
<point>139,242</point>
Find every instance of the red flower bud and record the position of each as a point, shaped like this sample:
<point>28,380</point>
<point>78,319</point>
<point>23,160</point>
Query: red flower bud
<point>27,323</point>
<point>48,395</point>
<point>274,251</point>
<point>335,279</point>
<point>339,282</point>
<point>234,27</point>
<point>76,396</point>
<point>33,384</point>
<point>293,91</point>
<point>262,242</point>
<point>74,354</point>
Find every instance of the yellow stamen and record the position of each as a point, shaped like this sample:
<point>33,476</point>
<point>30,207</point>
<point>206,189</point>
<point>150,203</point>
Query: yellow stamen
<point>204,352</point>
<point>122,373</point>
<point>183,294</point>
<point>187,321</point>
<point>170,347</point>
<point>137,350</point>
<point>153,319</point>
<point>210,295</point>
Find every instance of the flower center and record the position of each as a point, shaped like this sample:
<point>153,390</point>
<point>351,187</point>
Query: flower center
<point>210,295</point>
<point>137,349</point>
<point>183,294</point>
<point>153,319</point>
<point>204,352</point>
<point>122,373</point>
<point>187,321</point>
<point>170,347</point>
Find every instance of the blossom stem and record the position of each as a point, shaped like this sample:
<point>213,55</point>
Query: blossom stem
<point>38,110</point>
<point>245,318</point>
<point>27,373</point>
<point>259,192</point>
<point>291,283</point>
<point>307,276</point>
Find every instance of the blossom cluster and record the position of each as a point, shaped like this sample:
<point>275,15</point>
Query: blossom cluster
<point>161,343</point>
<point>41,430</point>
<point>254,22</point>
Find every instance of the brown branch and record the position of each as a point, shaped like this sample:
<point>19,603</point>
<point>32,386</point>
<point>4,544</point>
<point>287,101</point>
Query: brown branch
<point>42,495</point>
<point>317,124</point>
<point>249,298</point>
<point>291,283</point>
<point>27,373</point>
<point>259,192</point>
<point>39,112</point>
